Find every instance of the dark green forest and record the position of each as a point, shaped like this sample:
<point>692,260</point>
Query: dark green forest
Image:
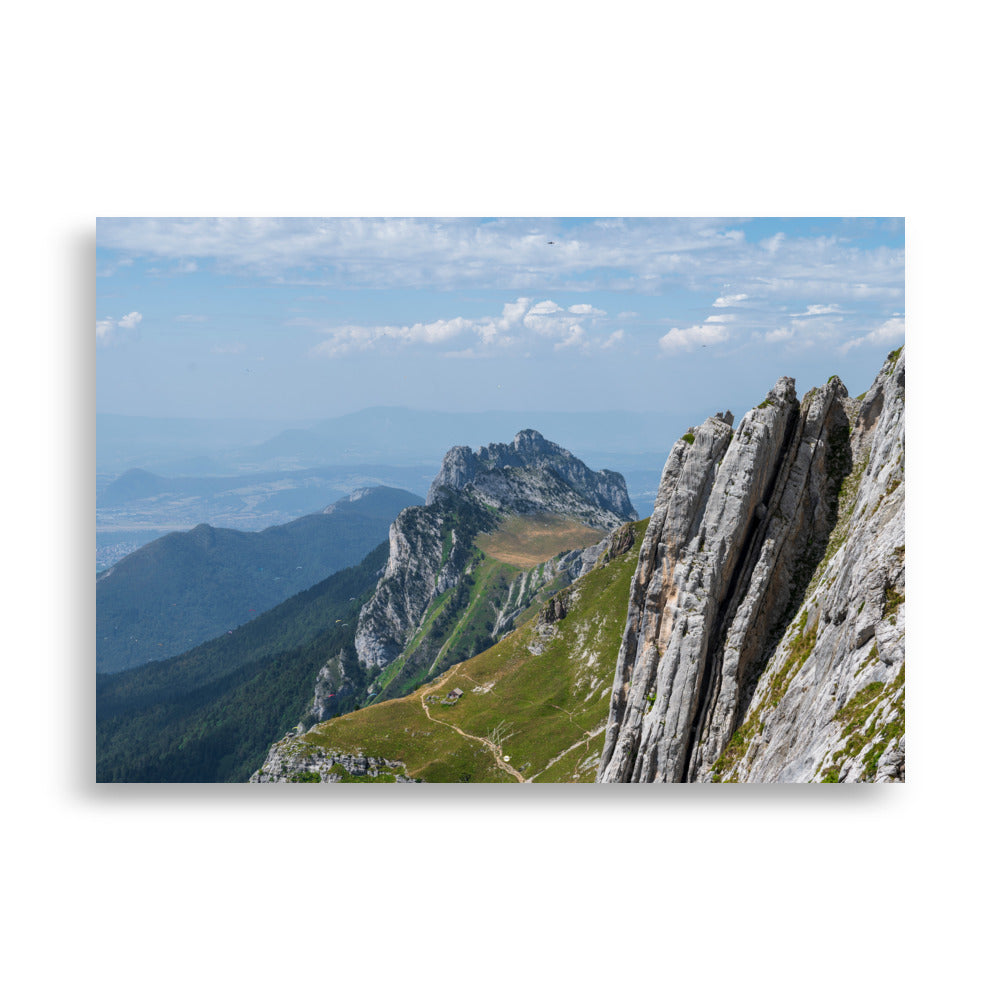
<point>212,713</point>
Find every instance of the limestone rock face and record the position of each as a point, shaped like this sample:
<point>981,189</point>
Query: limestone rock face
<point>292,760</point>
<point>432,552</point>
<point>764,638</point>
<point>414,574</point>
<point>331,682</point>
<point>533,474</point>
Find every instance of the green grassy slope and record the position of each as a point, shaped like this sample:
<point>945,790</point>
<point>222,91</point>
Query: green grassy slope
<point>459,623</point>
<point>545,711</point>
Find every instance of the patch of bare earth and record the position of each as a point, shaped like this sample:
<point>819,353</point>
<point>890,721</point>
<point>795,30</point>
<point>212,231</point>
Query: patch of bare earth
<point>524,542</point>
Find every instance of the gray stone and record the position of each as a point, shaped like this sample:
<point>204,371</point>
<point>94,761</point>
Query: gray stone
<point>725,627</point>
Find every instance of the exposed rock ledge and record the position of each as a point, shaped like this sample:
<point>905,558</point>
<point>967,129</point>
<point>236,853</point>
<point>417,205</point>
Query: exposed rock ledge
<point>291,760</point>
<point>764,638</point>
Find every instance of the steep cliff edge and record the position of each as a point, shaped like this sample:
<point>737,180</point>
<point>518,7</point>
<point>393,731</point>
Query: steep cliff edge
<point>502,527</point>
<point>764,634</point>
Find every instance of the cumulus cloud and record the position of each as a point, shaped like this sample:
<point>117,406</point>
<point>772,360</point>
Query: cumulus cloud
<point>892,331</point>
<point>721,318</point>
<point>687,339</point>
<point>350,338</point>
<point>107,328</point>
<point>727,301</point>
<point>521,321</point>
<point>818,310</point>
<point>130,320</point>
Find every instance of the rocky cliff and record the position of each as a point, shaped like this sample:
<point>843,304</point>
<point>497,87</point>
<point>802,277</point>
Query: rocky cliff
<point>441,599</point>
<point>531,474</point>
<point>764,634</point>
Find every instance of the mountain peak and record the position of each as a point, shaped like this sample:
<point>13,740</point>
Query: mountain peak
<point>532,473</point>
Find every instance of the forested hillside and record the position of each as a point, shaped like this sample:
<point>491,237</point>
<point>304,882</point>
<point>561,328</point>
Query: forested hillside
<point>211,713</point>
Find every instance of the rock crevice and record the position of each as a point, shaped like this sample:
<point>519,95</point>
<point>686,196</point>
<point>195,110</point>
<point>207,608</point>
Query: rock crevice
<point>742,541</point>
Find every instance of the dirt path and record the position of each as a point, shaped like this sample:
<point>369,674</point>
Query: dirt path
<point>492,747</point>
<point>586,739</point>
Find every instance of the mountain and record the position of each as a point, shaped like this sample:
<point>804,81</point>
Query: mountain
<point>760,639</point>
<point>397,435</point>
<point>502,527</point>
<point>211,713</point>
<point>531,708</point>
<point>189,586</point>
<point>141,500</point>
<point>765,628</point>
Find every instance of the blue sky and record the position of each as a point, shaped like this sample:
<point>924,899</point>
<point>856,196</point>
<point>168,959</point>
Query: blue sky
<point>309,318</point>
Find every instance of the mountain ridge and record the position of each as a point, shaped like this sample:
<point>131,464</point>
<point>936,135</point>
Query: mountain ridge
<point>441,596</point>
<point>187,587</point>
<point>762,634</point>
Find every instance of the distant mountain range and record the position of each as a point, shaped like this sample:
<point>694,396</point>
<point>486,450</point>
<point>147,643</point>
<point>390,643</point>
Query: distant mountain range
<point>186,587</point>
<point>378,435</point>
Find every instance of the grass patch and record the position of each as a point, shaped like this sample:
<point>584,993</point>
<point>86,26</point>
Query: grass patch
<point>537,708</point>
<point>893,599</point>
<point>688,437</point>
<point>868,704</point>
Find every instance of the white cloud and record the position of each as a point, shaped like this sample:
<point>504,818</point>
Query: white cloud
<point>577,326</point>
<point>513,312</point>
<point>545,308</point>
<point>614,340</point>
<point>107,328</point>
<point>721,318</point>
<point>892,331</point>
<point>693,336</point>
<point>348,338</point>
<point>819,310</point>
<point>647,255</point>
<point>130,320</point>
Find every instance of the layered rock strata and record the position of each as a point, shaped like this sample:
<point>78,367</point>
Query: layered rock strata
<point>764,637</point>
<point>431,548</point>
<point>534,475</point>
